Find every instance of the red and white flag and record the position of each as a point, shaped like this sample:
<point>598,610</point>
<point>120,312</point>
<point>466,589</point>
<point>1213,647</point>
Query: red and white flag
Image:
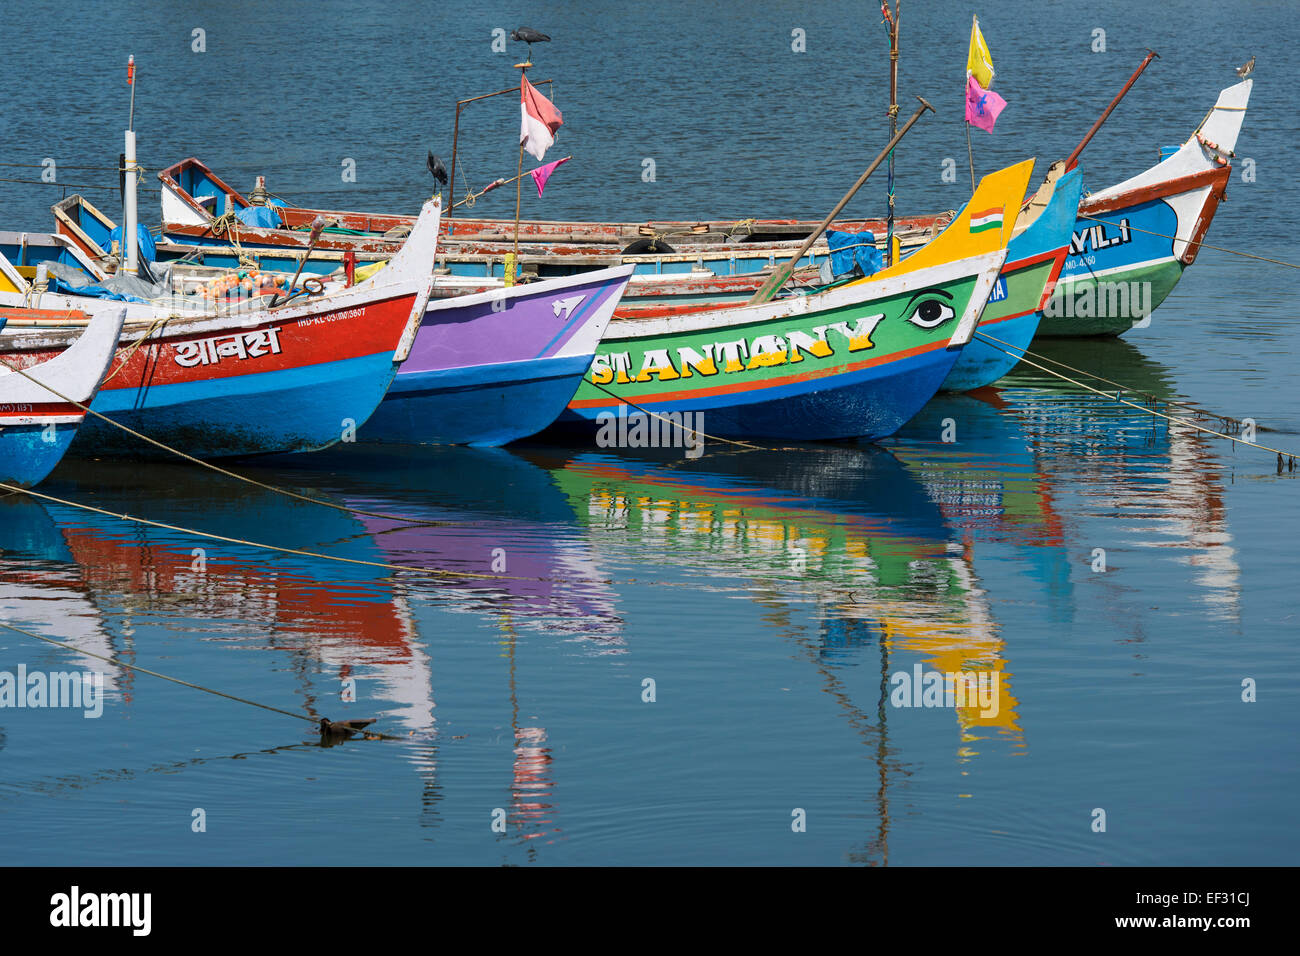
<point>541,120</point>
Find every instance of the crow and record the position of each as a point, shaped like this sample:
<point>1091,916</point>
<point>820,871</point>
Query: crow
<point>436,168</point>
<point>530,36</point>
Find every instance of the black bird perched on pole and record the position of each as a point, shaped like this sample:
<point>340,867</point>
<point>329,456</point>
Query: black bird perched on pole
<point>436,168</point>
<point>530,36</point>
<point>1246,68</point>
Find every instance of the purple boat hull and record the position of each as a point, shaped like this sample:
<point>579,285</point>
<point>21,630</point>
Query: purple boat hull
<point>493,367</point>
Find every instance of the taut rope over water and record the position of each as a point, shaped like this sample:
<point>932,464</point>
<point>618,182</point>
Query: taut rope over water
<point>325,725</point>
<point>1119,397</point>
<point>207,464</point>
<point>1198,245</point>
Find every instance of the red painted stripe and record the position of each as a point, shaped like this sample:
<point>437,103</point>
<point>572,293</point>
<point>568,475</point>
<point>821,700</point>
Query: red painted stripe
<point>332,336</point>
<point>42,408</point>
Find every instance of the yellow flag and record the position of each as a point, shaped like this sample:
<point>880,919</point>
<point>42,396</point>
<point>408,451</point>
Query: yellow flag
<point>979,62</point>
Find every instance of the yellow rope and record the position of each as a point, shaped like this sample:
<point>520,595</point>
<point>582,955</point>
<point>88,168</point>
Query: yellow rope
<point>117,662</point>
<point>1118,397</point>
<point>207,464</point>
<point>746,224</point>
<point>225,539</point>
<point>126,357</point>
<point>1199,245</point>
<point>228,224</point>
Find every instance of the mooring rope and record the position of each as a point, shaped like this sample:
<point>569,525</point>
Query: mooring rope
<point>696,431</point>
<point>1155,399</point>
<point>226,539</point>
<point>154,326</point>
<point>209,465</point>
<point>1118,397</point>
<point>1206,245</point>
<point>117,662</point>
<point>228,224</point>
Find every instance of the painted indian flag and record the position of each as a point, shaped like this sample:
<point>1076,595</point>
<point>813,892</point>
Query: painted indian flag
<point>983,221</point>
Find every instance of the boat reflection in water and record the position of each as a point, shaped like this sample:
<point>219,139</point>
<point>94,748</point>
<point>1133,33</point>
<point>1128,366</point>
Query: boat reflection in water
<point>349,631</point>
<point>1162,479</point>
<point>1033,441</point>
<point>845,530</point>
<point>42,589</point>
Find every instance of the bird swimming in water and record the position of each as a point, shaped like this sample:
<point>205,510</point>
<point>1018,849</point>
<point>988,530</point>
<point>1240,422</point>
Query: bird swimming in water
<point>530,36</point>
<point>1246,68</point>
<point>343,728</point>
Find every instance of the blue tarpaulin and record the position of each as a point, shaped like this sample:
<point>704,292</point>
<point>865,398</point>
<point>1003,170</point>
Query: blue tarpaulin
<point>89,291</point>
<point>849,249</point>
<point>143,242</point>
<point>261,217</point>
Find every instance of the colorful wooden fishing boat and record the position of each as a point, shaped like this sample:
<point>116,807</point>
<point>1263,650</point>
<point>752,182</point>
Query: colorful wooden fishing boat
<point>201,217</point>
<point>1035,256</point>
<point>1034,259</point>
<point>856,360</point>
<point>1134,240</point>
<point>489,368</point>
<point>1137,237</point>
<point>38,423</point>
<point>250,378</point>
<point>82,232</point>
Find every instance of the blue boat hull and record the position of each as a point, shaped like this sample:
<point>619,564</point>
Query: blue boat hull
<point>28,453</point>
<point>983,364</point>
<point>483,405</point>
<point>870,403</point>
<point>290,410</point>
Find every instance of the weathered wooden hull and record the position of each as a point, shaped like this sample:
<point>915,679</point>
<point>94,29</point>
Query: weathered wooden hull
<point>265,380</point>
<point>302,382</point>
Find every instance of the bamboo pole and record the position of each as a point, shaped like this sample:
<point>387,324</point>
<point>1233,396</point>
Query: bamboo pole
<point>893,123</point>
<point>495,184</point>
<point>779,277</point>
<point>970,155</point>
<point>513,258</point>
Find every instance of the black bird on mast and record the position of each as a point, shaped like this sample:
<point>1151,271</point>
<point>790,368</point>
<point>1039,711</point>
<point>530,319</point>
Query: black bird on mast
<point>530,36</point>
<point>436,168</point>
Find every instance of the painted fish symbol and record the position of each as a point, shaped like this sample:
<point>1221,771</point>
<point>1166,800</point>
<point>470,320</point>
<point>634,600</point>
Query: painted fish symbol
<point>567,305</point>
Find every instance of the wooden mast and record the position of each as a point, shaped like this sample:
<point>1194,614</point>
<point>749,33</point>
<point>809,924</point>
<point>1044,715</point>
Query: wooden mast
<point>513,258</point>
<point>893,117</point>
<point>782,273</point>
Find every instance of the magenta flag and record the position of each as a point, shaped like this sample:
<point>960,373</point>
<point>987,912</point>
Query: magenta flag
<point>982,106</point>
<point>542,173</point>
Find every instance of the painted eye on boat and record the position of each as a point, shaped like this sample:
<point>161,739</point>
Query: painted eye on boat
<point>931,313</point>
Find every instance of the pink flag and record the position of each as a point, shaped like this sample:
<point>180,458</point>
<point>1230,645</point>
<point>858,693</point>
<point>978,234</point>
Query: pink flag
<point>982,106</point>
<point>542,173</point>
<point>540,120</point>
